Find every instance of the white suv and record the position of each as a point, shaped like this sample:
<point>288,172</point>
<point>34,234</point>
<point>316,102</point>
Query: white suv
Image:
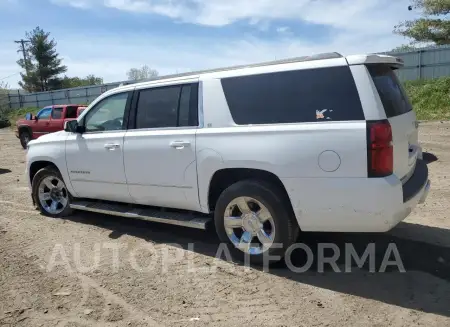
<point>320,143</point>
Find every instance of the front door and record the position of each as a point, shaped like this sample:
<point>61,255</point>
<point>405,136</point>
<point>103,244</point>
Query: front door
<point>95,157</point>
<point>159,152</point>
<point>41,123</point>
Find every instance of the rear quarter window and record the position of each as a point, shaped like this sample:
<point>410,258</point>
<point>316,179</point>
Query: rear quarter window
<point>312,95</point>
<point>391,92</point>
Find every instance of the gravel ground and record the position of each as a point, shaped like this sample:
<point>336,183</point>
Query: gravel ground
<point>96,270</point>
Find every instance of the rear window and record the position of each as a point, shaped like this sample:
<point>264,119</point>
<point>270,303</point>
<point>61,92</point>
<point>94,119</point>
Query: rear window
<point>390,90</point>
<point>312,95</point>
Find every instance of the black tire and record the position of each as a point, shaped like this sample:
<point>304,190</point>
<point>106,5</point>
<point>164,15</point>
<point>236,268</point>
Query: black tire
<point>24,137</point>
<point>279,207</point>
<point>37,179</point>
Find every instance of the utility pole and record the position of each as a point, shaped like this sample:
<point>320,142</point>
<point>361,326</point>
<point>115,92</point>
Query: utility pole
<point>24,52</point>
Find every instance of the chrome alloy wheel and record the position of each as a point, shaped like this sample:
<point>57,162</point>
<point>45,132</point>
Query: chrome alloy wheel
<point>249,225</point>
<point>53,195</point>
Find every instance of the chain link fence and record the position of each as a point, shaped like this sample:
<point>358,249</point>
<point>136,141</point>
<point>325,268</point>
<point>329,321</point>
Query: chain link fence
<point>79,95</point>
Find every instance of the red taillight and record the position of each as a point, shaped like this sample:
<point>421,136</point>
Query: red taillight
<point>380,154</point>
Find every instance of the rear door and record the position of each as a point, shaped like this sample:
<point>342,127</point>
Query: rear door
<point>159,147</point>
<point>55,123</point>
<point>401,117</point>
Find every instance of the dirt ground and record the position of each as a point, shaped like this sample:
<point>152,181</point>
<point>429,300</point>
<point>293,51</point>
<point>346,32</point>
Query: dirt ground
<point>95,270</point>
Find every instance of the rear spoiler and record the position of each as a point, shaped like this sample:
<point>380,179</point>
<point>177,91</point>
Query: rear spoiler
<point>392,61</point>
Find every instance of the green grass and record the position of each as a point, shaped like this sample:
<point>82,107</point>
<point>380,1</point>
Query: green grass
<point>15,114</point>
<point>430,98</point>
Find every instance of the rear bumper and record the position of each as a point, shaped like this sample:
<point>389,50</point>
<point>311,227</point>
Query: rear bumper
<point>356,204</point>
<point>417,183</point>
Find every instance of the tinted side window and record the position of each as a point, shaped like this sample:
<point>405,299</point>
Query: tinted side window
<point>193,106</point>
<point>313,95</point>
<point>71,112</point>
<point>45,113</point>
<point>158,107</point>
<point>170,106</point>
<point>57,113</point>
<point>390,90</point>
<point>183,112</point>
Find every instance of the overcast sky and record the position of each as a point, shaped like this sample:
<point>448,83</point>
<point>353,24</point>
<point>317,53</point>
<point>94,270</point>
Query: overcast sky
<point>107,37</point>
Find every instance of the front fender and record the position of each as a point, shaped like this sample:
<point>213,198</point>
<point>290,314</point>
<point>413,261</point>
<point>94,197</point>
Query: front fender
<point>51,151</point>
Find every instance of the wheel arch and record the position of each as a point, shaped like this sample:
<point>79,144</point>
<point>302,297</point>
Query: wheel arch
<point>38,165</point>
<point>26,128</point>
<point>225,177</point>
<point>42,162</point>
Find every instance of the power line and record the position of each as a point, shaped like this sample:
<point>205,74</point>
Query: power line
<point>24,52</point>
<point>1,79</point>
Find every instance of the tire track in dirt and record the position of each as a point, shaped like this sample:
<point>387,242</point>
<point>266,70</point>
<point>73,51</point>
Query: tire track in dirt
<point>228,296</point>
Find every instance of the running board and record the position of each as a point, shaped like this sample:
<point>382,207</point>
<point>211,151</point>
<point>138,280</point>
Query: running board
<point>149,214</point>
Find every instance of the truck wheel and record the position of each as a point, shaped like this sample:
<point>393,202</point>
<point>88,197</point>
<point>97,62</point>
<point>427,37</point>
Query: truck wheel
<point>255,218</point>
<point>50,193</point>
<point>24,137</point>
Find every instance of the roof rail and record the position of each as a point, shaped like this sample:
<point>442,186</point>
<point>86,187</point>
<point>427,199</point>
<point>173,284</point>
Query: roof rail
<point>320,56</point>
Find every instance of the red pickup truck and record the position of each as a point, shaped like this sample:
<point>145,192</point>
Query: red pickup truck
<point>48,120</point>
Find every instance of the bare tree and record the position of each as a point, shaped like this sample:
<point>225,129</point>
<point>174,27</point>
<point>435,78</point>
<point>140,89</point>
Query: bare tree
<point>145,72</point>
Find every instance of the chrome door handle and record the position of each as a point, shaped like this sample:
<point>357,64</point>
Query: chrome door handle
<point>112,146</point>
<point>180,144</point>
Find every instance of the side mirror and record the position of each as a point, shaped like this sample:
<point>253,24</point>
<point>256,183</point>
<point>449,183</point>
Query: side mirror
<point>72,126</point>
<point>35,118</point>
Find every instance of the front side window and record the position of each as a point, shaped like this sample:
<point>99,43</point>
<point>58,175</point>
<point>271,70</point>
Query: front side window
<point>108,114</point>
<point>45,113</point>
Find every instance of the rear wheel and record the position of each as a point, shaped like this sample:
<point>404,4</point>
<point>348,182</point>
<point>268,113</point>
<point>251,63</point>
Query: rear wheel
<point>256,220</point>
<point>50,193</point>
<point>24,137</point>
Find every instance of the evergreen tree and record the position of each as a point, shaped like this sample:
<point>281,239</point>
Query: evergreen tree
<point>43,64</point>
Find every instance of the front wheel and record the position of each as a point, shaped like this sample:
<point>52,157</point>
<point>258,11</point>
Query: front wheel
<point>50,193</point>
<point>256,219</point>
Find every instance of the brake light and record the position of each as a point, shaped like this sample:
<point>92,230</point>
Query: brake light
<point>380,153</point>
